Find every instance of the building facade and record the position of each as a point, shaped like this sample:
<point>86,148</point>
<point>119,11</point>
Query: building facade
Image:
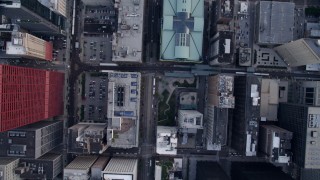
<point>98,167</point>
<point>29,95</point>
<point>275,142</point>
<point>31,141</point>
<point>48,166</point>
<point>58,6</point>
<point>216,127</point>
<point>304,92</point>
<point>33,16</point>
<point>29,46</point>
<point>304,122</point>
<point>7,168</point>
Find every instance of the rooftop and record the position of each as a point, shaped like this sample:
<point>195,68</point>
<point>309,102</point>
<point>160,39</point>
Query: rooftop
<point>220,91</point>
<point>190,119</point>
<point>276,22</point>
<point>182,30</point>
<point>269,99</point>
<point>7,160</point>
<point>167,140</point>
<point>81,163</point>
<point>121,166</point>
<point>223,48</point>
<point>37,17</point>
<point>90,138</point>
<point>300,52</point>
<point>58,6</point>
<point>25,44</point>
<point>127,41</point>
<point>123,94</point>
<point>123,108</point>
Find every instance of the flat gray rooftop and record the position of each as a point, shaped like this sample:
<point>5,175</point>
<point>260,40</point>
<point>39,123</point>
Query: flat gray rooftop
<point>276,22</point>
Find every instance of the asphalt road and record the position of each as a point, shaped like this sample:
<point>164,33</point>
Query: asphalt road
<point>148,127</point>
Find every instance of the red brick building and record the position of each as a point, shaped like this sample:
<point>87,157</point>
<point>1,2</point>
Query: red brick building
<point>29,95</point>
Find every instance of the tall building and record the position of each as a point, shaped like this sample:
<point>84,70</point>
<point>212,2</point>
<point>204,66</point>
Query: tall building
<point>28,46</point>
<point>48,166</point>
<point>275,142</point>
<point>275,22</point>
<point>79,168</point>
<point>304,92</point>
<point>300,52</point>
<point>29,95</point>
<point>269,99</point>
<point>216,127</point>
<point>221,51</point>
<point>246,115</point>
<point>220,91</point>
<point>304,122</point>
<point>7,168</point>
<point>309,174</point>
<point>33,140</point>
<point>257,170</point>
<point>33,16</point>
<point>182,31</point>
<point>58,6</point>
<point>121,169</point>
<point>220,98</point>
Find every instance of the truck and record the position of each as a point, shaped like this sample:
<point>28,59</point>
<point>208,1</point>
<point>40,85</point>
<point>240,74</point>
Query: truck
<point>76,45</point>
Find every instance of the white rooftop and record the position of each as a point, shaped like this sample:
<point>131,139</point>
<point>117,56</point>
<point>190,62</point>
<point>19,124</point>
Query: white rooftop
<point>117,168</point>
<point>118,165</point>
<point>190,119</point>
<point>81,163</point>
<point>167,140</point>
<point>243,7</point>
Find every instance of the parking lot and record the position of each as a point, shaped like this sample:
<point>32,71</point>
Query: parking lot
<point>298,24</point>
<point>99,24</point>
<point>97,49</point>
<point>242,33</point>
<point>95,102</point>
<point>59,52</point>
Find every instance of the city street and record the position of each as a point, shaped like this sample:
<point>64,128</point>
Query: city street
<point>148,125</point>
